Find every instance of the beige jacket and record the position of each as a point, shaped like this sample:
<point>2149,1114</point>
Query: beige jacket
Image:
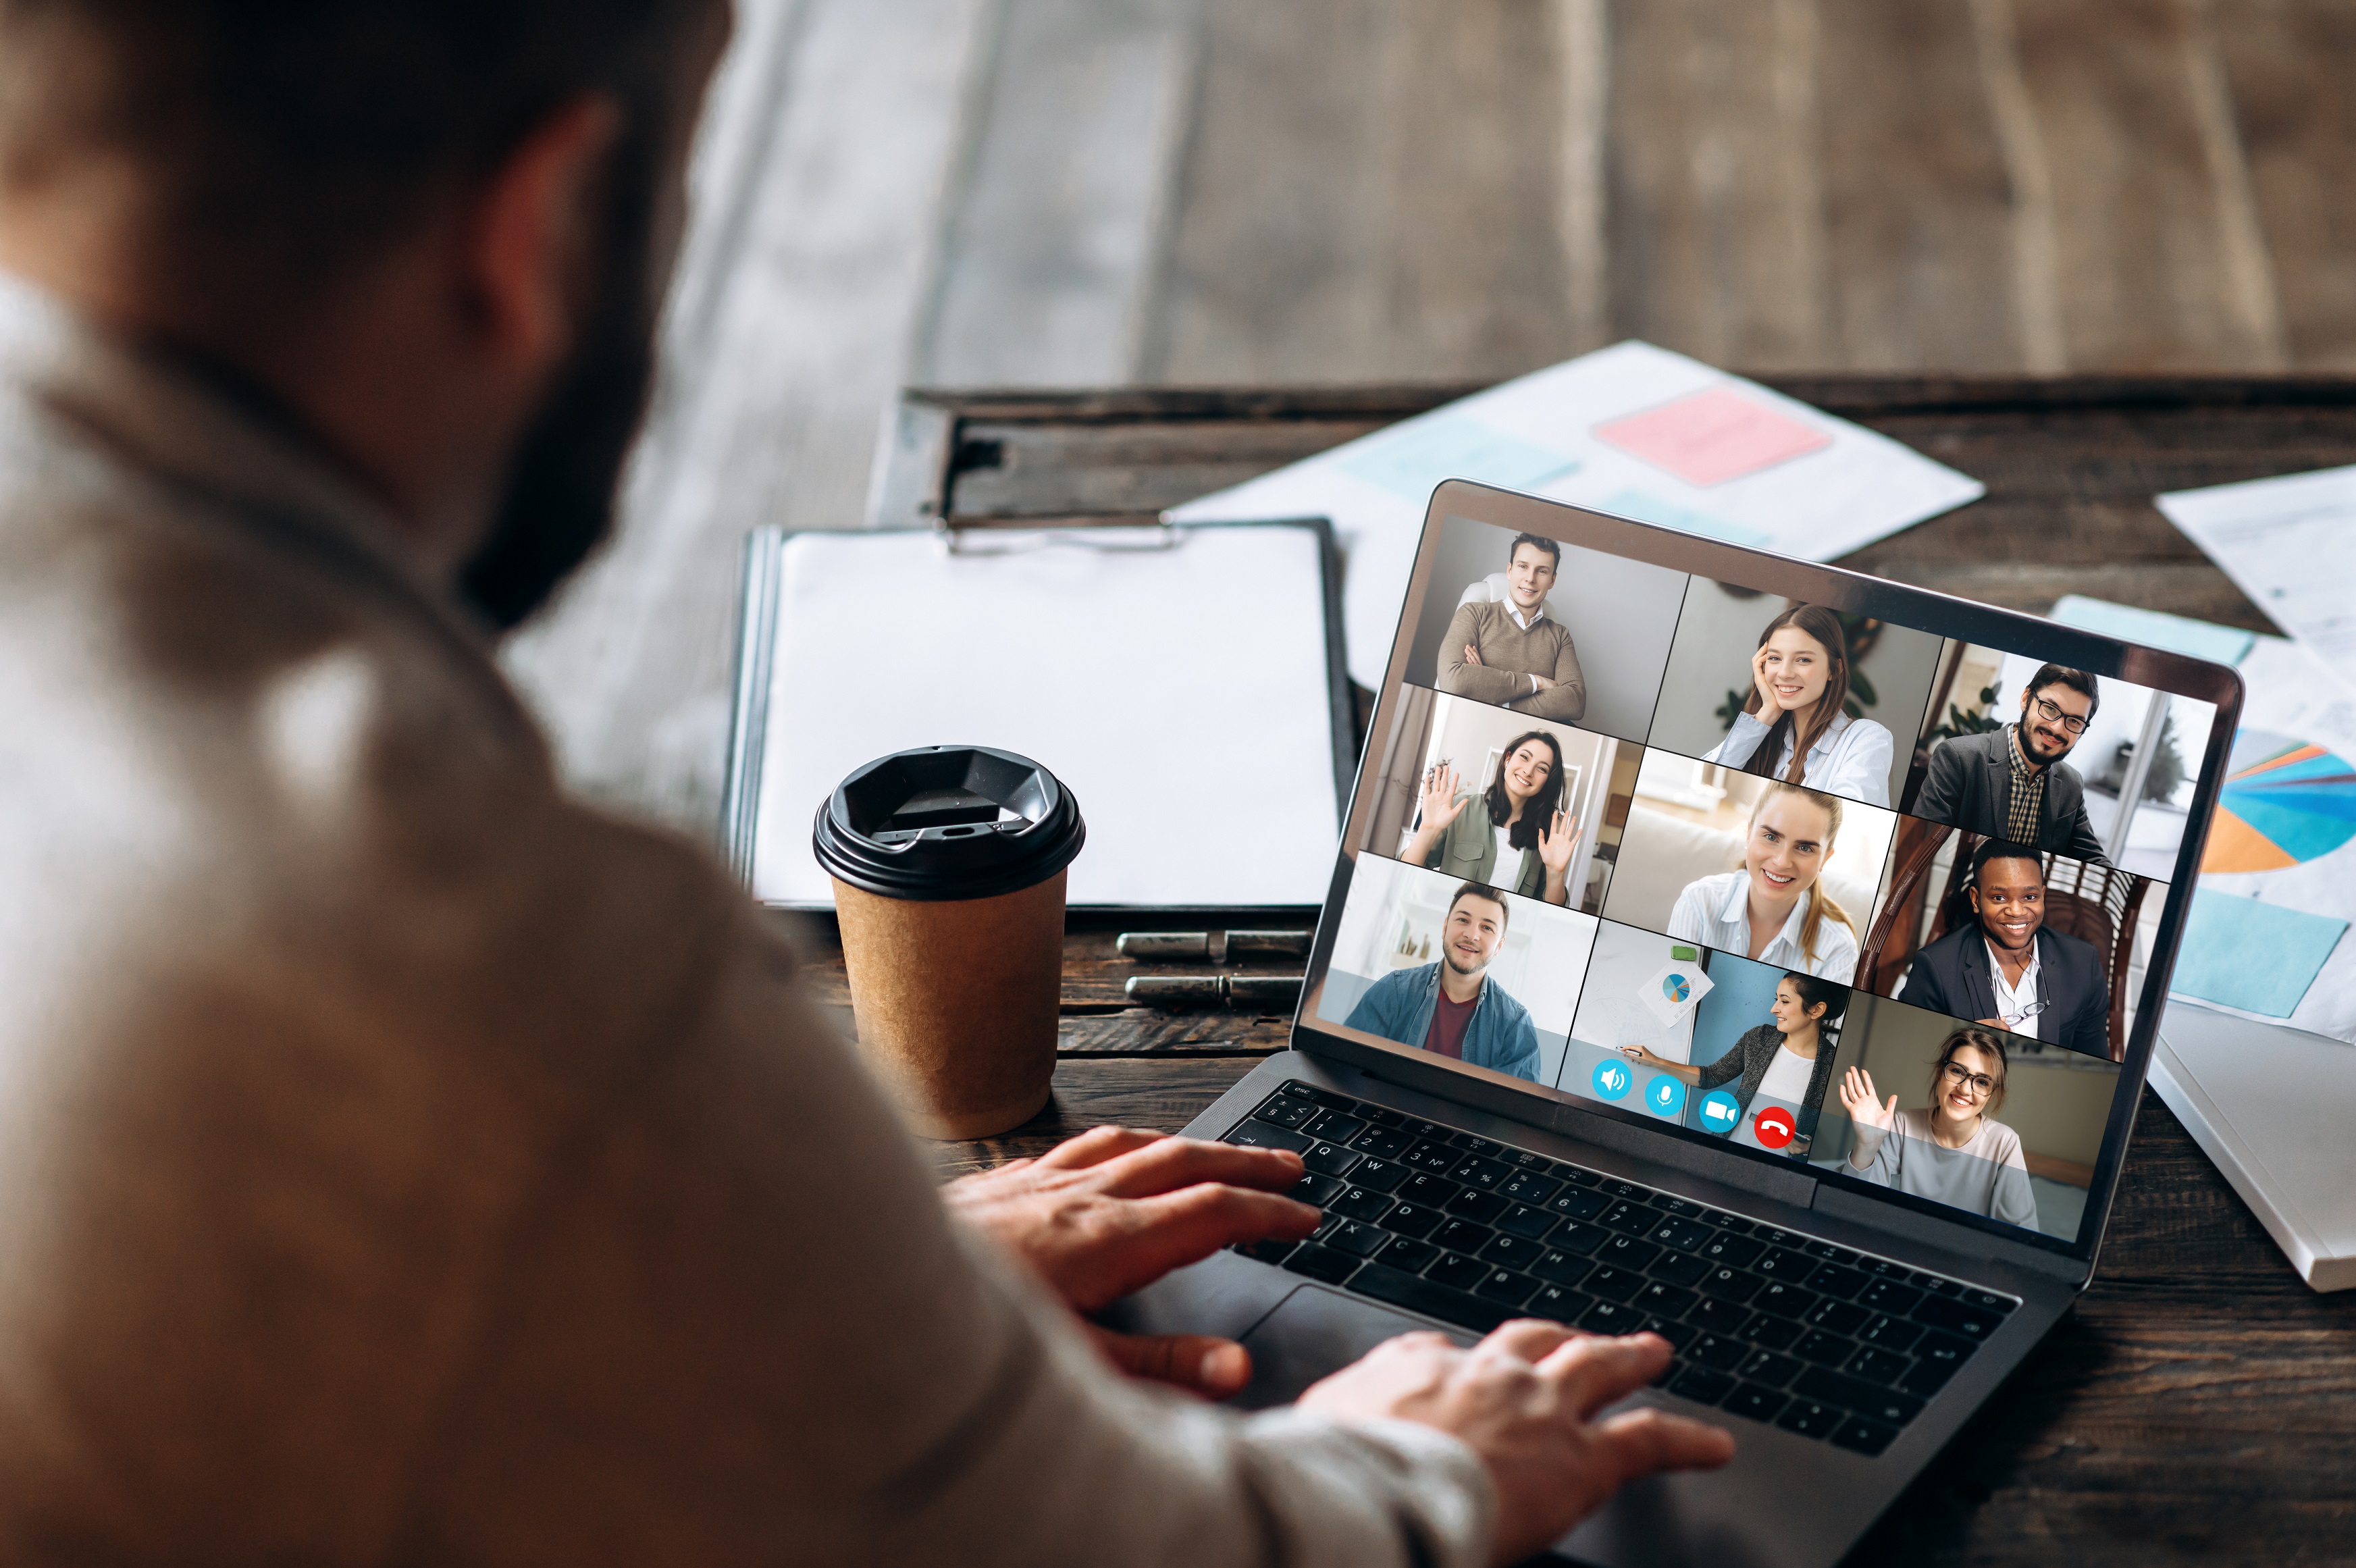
<point>400,1161</point>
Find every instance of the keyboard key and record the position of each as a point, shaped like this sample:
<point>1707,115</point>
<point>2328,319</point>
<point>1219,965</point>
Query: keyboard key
<point>1936,1286</point>
<point>1832,1252</point>
<point>1431,1132</point>
<point>1942,1351</point>
<point>1678,1334</point>
<point>1427,1155</point>
<point>1665,1300</point>
<point>1989,1301</point>
<point>1431,1191</point>
<point>1523,1160</point>
<point>1473,1143</point>
<point>1413,1256</point>
<point>1773,1333</point>
<point>1359,1204</point>
<point>1628,1251</point>
<point>1782,1263</point>
<point>1810,1419</point>
<point>1579,1203</point>
<point>1954,1317</point>
<point>1866,1437</point>
<point>1926,1378</point>
<point>1825,1349</point>
<point>1463,1236</point>
<point>1701,1385</point>
<point>1262,1136</point>
<point>1351,1236</point>
<point>1577,1175</point>
<point>1559,1303</point>
<point>1268,1251</point>
<point>1325,1225</point>
<point>1285,1112</point>
<point>1729,1284</point>
<point>1627,1216</point>
<point>1486,1175</point>
<point>1679,1269</point>
<point>1317,1189</point>
<point>1322,1263</point>
<point>1754,1402</point>
<point>1380,1115</point>
<point>1401,1289</point>
<point>1331,1159</point>
<point>1411,1219</point>
<point>1856,1394</point>
<point>1525,1221</point>
<point>1611,1317</point>
<point>1335,1127</point>
<point>1716,1350</point>
<point>1781,1300</point>
<point>1382,1142</point>
<point>1842,1317</point>
<point>1530,1186</point>
<point>1877,1365</point>
<point>1457,1271</point>
<point>1891,1333</point>
<point>1513,1251</point>
<point>1835,1281</point>
<point>1614,1285</point>
<point>1317,1096</point>
<point>1633,1192</point>
<point>1570,1236</point>
<point>1474,1204</point>
<point>1732,1224</point>
<point>1380,1175</point>
<point>1767,1368</point>
<point>1889,1295</point>
<point>1684,1235</point>
<point>1561,1268</point>
<point>1735,1251</point>
<point>1678,1206</point>
<point>1506,1288</point>
<point>1721,1317</point>
<point>1776,1238</point>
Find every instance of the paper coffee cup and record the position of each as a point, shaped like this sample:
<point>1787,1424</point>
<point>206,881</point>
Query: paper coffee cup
<point>949,867</point>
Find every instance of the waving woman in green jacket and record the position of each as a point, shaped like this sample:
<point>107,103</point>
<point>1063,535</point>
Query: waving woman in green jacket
<point>1515,835</point>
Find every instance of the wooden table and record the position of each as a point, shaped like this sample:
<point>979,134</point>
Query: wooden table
<point>2201,1406</point>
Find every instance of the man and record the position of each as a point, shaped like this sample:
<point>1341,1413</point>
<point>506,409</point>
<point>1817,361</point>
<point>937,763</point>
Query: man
<point>2012,783</point>
<point>2008,969</point>
<point>406,1161</point>
<point>1513,654</point>
<point>1448,1006</point>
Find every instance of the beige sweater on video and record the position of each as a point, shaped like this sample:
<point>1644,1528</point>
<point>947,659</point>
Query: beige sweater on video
<point>404,1162</point>
<point>1509,657</point>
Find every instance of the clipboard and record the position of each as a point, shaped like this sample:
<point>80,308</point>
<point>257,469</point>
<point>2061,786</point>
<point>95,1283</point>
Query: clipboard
<point>1186,680</point>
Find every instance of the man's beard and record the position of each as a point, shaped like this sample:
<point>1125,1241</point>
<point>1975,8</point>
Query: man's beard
<point>2030,748</point>
<point>559,504</point>
<point>1448,957</point>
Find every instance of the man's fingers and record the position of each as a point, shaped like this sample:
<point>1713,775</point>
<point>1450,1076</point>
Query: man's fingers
<point>1595,1371</point>
<point>1096,1146</point>
<point>1196,1362</point>
<point>1531,1339</point>
<point>1169,1165</point>
<point>1647,1442</point>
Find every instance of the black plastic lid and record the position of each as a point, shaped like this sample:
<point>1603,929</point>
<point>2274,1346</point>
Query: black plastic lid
<point>948,822</point>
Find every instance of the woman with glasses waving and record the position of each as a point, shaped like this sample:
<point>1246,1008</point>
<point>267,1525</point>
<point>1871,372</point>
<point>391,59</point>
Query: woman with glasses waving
<point>1954,1152</point>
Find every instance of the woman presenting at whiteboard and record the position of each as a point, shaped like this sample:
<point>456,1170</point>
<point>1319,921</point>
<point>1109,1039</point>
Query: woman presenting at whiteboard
<point>1793,725</point>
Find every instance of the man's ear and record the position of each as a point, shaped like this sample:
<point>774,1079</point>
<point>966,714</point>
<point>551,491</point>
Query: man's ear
<point>530,245</point>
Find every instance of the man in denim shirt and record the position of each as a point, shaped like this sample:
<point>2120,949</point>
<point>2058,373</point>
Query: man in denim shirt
<point>1448,1006</point>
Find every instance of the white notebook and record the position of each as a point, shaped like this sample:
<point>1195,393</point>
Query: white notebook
<point>1186,684</point>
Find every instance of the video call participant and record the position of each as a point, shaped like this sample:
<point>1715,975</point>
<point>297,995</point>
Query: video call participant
<point>2012,783</point>
<point>1511,655</point>
<point>1793,725</point>
<point>1448,1006</point>
<point>1789,1060</point>
<point>1956,1152</point>
<point>1521,823</point>
<point>1772,910</point>
<point>2008,969</point>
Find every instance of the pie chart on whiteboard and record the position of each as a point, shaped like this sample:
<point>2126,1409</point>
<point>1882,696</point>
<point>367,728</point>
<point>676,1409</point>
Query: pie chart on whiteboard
<point>2285,801</point>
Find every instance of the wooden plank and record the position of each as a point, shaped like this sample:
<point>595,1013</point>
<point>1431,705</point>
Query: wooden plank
<point>1918,205</point>
<point>1374,190</point>
<point>2158,261</point>
<point>1163,1095</point>
<point>2289,63</point>
<point>1053,239</point>
<point>777,421</point>
<point>1716,197</point>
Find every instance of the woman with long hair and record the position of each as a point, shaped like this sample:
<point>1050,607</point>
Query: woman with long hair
<point>1954,1152</point>
<point>1521,836</point>
<point>1794,725</point>
<point>1788,1061</point>
<point>1775,910</point>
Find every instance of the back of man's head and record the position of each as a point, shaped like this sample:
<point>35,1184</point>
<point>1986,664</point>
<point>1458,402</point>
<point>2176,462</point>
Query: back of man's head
<point>270,145</point>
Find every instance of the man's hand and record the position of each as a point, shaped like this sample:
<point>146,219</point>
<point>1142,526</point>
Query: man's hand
<point>1541,684</point>
<point>1116,1208</point>
<point>1471,654</point>
<point>1524,1400</point>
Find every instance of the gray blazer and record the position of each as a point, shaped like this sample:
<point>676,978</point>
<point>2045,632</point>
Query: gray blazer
<point>1970,786</point>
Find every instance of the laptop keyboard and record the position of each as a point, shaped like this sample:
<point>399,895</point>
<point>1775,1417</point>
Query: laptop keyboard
<point>1774,1326</point>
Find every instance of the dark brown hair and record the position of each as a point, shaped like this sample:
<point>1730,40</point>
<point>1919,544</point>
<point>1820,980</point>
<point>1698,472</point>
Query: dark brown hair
<point>1474,890</point>
<point>1824,626</point>
<point>1543,805</point>
<point>1988,1043</point>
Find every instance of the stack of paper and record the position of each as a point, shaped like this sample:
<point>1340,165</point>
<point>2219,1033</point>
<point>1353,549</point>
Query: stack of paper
<point>1631,430</point>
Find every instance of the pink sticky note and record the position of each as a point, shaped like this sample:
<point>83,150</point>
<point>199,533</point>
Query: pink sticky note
<point>1712,436</point>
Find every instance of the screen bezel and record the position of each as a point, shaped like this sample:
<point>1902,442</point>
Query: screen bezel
<point>1809,582</point>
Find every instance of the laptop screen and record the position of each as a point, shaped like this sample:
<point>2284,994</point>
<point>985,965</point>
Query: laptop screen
<point>1782,877</point>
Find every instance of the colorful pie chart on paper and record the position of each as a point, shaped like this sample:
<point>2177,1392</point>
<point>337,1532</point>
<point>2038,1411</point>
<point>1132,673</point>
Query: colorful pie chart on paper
<point>2286,802</point>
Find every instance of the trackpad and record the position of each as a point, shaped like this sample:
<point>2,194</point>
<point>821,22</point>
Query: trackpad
<point>1312,1332</point>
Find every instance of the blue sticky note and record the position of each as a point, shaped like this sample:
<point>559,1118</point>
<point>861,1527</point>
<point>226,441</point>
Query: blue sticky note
<point>2179,634</point>
<point>1651,509</point>
<point>2258,957</point>
<point>1412,461</point>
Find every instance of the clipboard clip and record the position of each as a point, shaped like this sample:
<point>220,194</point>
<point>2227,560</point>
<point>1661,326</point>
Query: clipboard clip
<point>1123,536</point>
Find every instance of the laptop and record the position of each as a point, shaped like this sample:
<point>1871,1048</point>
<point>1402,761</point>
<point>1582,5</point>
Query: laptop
<point>1614,1018</point>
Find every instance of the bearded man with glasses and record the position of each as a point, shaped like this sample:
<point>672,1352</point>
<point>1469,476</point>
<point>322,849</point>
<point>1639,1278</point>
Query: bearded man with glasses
<point>2012,783</point>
